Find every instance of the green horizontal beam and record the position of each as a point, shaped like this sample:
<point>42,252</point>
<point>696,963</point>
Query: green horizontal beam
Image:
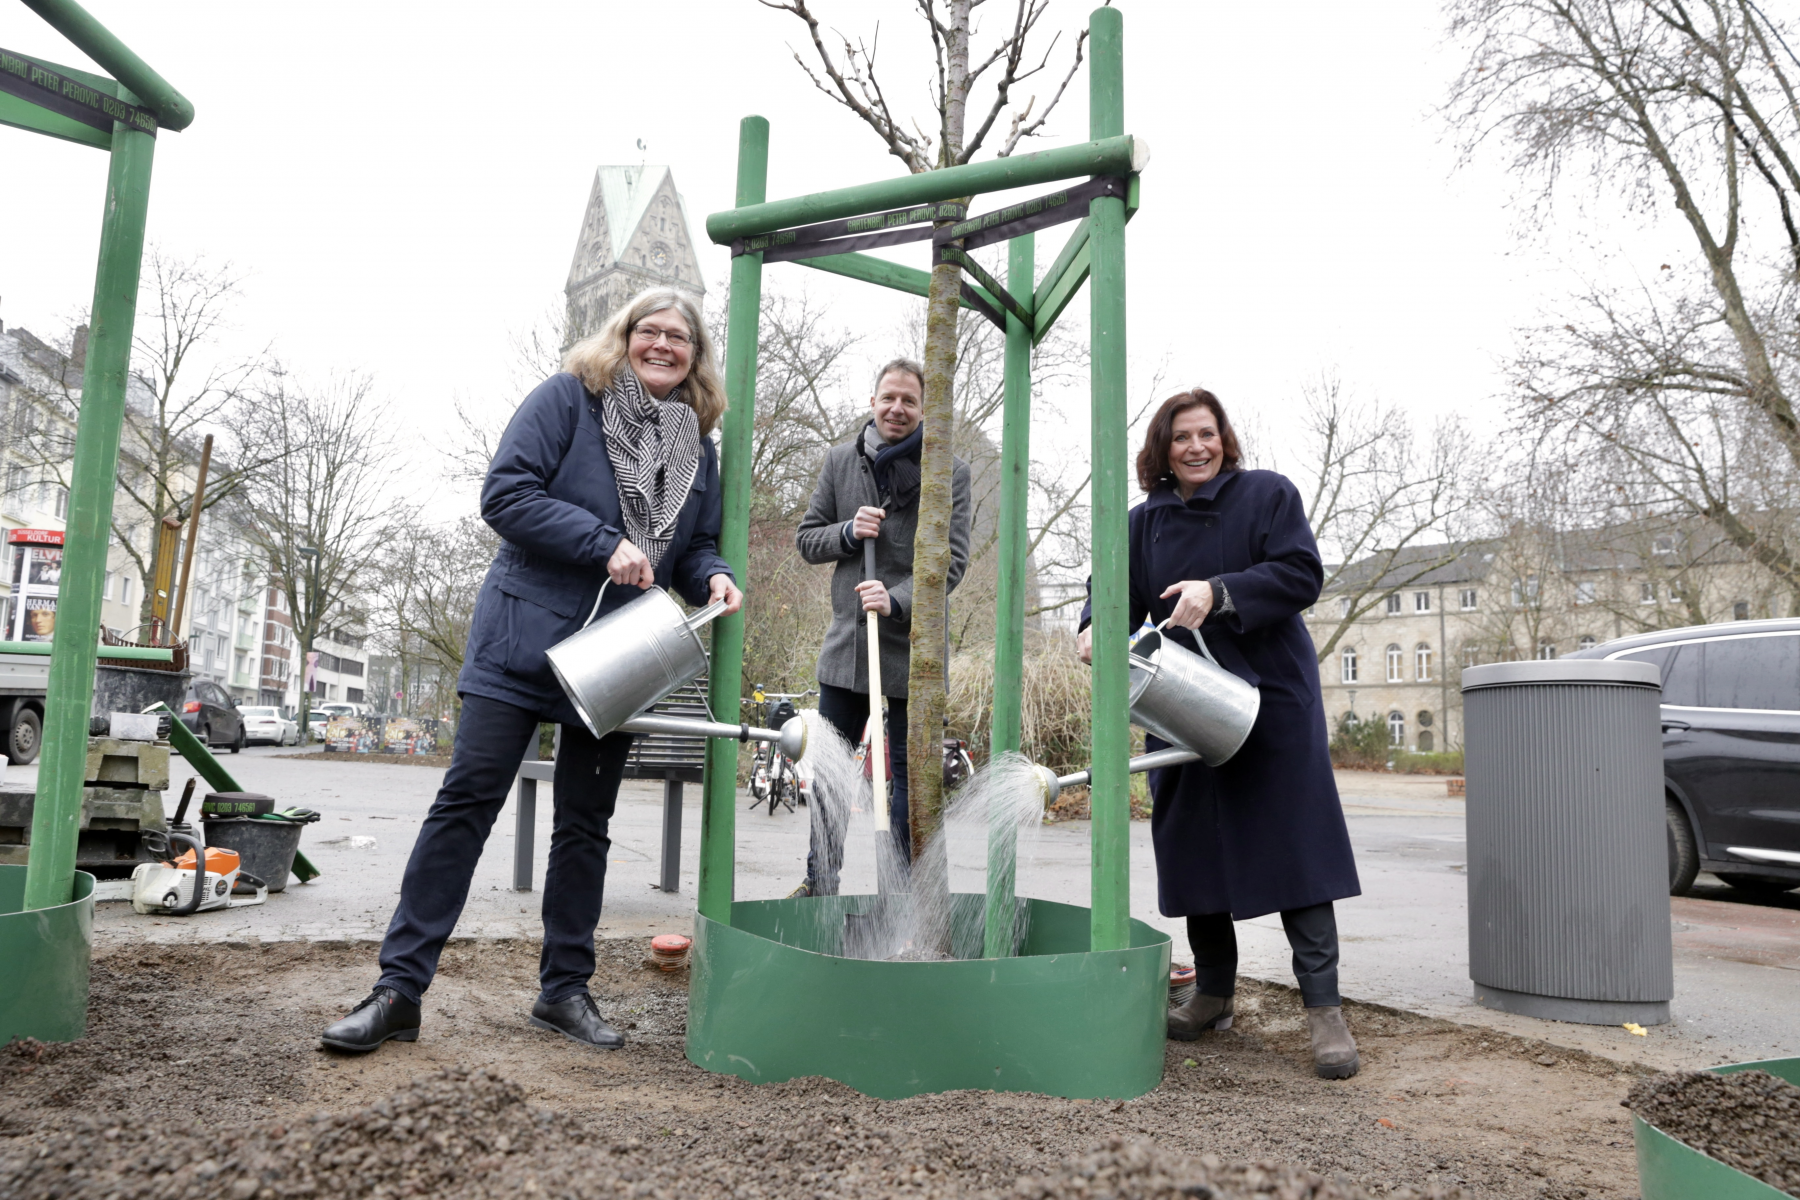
<point>172,109</point>
<point>23,114</point>
<point>887,274</point>
<point>134,653</point>
<point>1108,156</point>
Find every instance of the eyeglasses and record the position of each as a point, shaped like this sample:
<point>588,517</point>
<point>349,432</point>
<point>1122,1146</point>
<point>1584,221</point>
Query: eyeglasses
<point>648,334</point>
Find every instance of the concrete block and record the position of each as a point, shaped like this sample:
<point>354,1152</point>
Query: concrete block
<point>110,760</point>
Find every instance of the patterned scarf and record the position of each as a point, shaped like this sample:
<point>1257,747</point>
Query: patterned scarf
<point>654,446</point>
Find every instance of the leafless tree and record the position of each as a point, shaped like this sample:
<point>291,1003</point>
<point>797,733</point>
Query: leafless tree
<point>1686,390</point>
<point>1387,506</point>
<point>849,78</point>
<point>424,583</point>
<point>180,390</point>
<point>320,512</point>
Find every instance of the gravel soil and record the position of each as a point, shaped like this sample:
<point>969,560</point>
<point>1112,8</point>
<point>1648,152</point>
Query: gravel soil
<point>201,1077</point>
<point>1748,1119</point>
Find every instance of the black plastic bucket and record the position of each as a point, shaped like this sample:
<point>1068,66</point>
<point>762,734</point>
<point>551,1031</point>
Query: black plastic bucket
<point>264,847</point>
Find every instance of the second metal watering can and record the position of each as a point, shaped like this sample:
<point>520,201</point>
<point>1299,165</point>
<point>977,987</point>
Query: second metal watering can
<point>615,668</point>
<point>1190,700</point>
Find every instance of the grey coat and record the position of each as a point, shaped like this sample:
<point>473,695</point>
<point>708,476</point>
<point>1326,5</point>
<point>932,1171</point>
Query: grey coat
<point>847,483</point>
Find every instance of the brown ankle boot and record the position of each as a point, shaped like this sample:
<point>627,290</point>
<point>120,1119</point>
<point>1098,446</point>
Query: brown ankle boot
<point>1334,1050</point>
<point>1200,1013</point>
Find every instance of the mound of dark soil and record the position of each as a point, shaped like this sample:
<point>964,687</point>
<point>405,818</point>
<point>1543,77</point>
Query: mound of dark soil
<point>464,1134</point>
<point>1748,1119</point>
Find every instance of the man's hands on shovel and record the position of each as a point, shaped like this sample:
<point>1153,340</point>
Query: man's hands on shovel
<point>865,527</point>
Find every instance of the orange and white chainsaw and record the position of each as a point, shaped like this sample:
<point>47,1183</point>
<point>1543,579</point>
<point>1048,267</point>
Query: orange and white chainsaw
<point>177,888</point>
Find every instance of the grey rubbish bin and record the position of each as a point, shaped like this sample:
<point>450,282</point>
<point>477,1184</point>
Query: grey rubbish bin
<point>1568,864</point>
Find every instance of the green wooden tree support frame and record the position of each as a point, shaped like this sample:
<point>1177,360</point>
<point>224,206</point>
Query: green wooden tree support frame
<point>120,116</point>
<point>1096,251</point>
<point>1000,1020</point>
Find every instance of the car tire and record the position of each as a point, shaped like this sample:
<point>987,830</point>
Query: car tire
<point>26,737</point>
<point>1684,854</point>
<point>203,735</point>
<point>1758,885</point>
<point>237,747</point>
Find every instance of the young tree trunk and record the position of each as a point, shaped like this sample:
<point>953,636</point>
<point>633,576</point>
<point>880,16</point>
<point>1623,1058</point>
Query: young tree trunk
<point>931,564</point>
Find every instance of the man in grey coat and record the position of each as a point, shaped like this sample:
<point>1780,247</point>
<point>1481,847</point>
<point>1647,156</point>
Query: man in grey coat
<point>869,488</point>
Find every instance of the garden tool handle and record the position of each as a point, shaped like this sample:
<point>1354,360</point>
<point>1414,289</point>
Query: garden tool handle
<point>877,719</point>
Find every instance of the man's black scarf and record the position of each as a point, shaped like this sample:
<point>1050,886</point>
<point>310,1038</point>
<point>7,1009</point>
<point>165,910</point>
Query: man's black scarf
<point>896,465</point>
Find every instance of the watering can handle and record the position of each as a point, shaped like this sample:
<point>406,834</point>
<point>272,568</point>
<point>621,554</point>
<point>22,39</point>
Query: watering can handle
<point>1198,641</point>
<point>597,599</point>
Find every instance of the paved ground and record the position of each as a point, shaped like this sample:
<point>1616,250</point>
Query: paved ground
<point>1737,965</point>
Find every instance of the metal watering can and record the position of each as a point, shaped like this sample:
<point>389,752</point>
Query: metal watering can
<point>1189,699</point>
<point>1181,697</point>
<point>615,668</point>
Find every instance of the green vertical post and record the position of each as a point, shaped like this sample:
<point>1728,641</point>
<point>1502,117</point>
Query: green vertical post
<point>1111,794</point>
<point>1009,623</point>
<point>718,819</point>
<point>56,817</point>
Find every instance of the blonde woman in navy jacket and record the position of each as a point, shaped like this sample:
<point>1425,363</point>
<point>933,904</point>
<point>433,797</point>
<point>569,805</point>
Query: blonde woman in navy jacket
<point>605,473</point>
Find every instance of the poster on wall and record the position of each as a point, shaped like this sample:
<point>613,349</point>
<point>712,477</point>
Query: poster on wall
<point>36,576</point>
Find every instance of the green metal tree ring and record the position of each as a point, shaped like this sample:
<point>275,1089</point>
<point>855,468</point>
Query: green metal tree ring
<point>44,990</point>
<point>1671,1170</point>
<point>769,1000</point>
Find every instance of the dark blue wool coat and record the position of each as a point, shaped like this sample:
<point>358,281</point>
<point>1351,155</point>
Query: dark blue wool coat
<point>551,496</point>
<point>1265,831</point>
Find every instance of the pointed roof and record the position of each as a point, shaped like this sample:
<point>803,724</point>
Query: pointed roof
<point>626,192</point>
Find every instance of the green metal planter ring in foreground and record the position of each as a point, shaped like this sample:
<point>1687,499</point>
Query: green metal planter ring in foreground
<point>1671,1170</point>
<point>769,1001</point>
<point>44,989</point>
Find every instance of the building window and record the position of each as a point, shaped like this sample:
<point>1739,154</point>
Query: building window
<point>1392,603</point>
<point>1740,610</point>
<point>1396,729</point>
<point>1585,592</point>
<point>125,590</point>
<point>1675,590</point>
<point>1468,599</point>
<point>1587,641</point>
<point>1421,601</point>
<point>1646,592</point>
<point>353,695</point>
<point>1422,662</point>
<point>1344,606</point>
<point>1348,659</point>
<point>1394,657</point>
<point>1524,591</point>
<point>1546,650</point>
<point>1471,656</point>
<point>108,593</point>
<point>1664,545</point>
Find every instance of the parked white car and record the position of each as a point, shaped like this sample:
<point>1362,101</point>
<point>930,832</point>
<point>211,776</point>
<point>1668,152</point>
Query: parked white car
<point>266,725</point>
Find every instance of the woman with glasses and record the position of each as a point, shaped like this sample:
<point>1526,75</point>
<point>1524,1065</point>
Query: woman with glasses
<point>605,473</point>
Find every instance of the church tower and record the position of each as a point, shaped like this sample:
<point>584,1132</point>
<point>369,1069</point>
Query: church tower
<point>633,236</point>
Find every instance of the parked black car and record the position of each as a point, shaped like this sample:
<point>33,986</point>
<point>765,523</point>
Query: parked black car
<point>213,715</point>
<point>1731,748</point>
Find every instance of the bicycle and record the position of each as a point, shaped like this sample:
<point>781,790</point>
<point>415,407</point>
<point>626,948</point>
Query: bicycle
<point>958,766</point>
<point>773,777</point>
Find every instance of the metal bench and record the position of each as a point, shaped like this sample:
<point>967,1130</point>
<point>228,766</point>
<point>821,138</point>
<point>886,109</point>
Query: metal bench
<point>676,760</point>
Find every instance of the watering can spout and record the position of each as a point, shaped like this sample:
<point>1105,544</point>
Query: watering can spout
<point>790,739</point>
<point>1174,756</point>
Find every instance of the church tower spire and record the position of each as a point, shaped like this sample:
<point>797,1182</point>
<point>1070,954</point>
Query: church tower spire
<point>634,235</point>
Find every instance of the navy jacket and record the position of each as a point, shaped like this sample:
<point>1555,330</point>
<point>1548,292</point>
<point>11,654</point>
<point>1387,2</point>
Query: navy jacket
<point>551,496</point>
<point>1264,832</point>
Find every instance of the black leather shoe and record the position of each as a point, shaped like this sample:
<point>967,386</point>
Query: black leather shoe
<point>382,1015</point>
<point>578,1019</point>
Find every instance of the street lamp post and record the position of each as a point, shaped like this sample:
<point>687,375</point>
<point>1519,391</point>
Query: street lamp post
<point>312,600</point>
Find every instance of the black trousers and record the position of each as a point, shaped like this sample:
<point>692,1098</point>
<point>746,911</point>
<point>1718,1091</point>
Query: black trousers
<point>848,713</point>
<point>490,743</point>
<point>1311,932</point>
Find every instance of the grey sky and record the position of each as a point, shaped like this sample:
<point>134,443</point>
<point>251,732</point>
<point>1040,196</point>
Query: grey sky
<point>402,183</point>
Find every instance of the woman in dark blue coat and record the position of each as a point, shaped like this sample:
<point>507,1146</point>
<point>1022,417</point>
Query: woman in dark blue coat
<point>606,472</point>
<point>1229,552</point>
